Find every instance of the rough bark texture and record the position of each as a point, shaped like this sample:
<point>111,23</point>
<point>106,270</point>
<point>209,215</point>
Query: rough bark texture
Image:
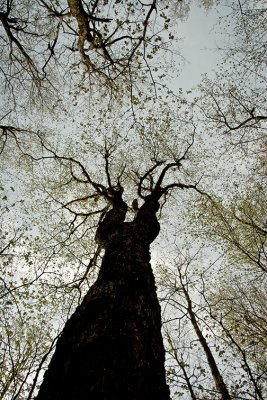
<point>111,348</point>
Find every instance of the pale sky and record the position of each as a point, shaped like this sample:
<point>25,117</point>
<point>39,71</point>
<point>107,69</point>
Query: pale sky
<point>199,47</point>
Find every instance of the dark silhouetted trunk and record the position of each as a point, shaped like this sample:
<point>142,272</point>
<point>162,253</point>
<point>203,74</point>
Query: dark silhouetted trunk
<point>111,348</point>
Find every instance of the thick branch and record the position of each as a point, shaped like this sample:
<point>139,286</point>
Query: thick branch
<point>146,175</point>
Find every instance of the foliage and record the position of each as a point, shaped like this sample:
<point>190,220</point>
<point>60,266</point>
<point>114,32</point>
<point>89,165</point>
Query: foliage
<point>86,109</point>
<point>100,45</point>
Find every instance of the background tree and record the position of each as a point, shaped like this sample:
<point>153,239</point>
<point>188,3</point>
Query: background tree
<point>235,349</point>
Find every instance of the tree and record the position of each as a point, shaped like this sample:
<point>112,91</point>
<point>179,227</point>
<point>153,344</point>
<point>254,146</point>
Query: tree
<point>236,299</point>
<point>240,312</point>
<point>227,313</point>
<point>183,311</point>
<point>74,190</point>
<point>112,347</point>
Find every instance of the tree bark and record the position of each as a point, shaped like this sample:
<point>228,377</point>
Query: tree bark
<point>111,348</point>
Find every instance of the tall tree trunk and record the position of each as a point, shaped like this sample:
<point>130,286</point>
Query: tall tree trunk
<point>218,379</point>
<point>111,348</point>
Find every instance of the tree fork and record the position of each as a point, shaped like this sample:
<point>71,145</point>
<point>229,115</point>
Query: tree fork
<point>111,348</point>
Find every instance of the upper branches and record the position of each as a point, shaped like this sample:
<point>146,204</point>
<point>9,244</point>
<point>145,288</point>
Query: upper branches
<point>244,115</point>
<point>79,182</point>
<point>156,185</point>
<point>163,176</point>
<point>114,41</point>
<point>87,190</point>
<point>27,46</point>
<point>249,52</point>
